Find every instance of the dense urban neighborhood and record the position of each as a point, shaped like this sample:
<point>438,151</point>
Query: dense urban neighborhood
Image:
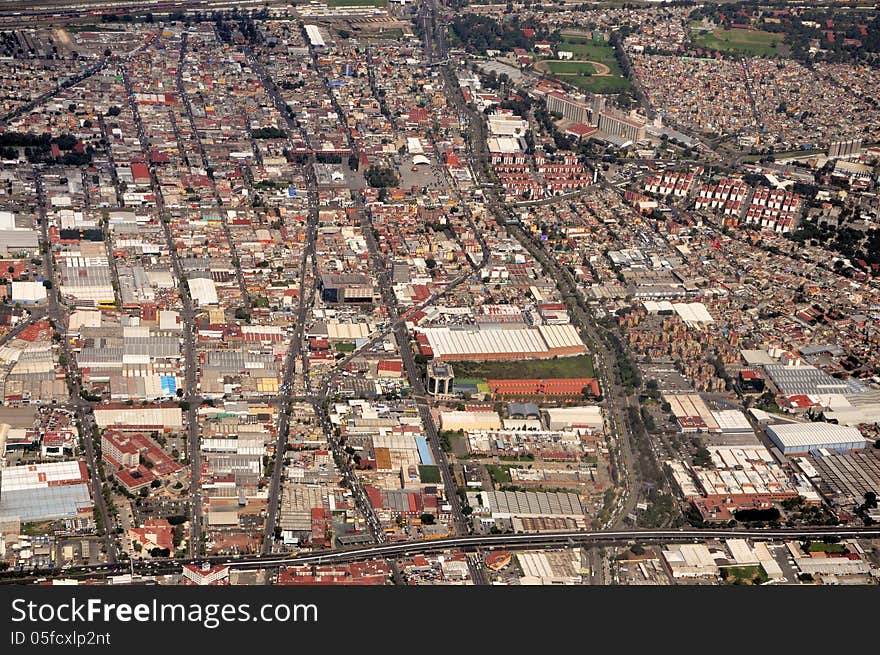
<point>388,292</point>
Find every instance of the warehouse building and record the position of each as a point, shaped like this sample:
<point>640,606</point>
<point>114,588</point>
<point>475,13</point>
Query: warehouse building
<point>691,413</point>
<point>351,288</point>
<point>203,291</point>
<point>802,438</point>
<point>809,381</point>
<point>468,343</point>
<point>469,421</point>
<point>562,418</point>
<point>507,504</point>
<point>123,417</point>
<point>87,279</point>
<point>45,492</point>
<point>28,293</point>
<point>690,561</point>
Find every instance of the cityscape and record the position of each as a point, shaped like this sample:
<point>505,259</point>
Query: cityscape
<point>439,292</point>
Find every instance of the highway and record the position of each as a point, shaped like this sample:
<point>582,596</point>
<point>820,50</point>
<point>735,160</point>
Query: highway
<point>471,543</point>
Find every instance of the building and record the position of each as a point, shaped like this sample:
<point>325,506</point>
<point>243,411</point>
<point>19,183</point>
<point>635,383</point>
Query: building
<point>569,108</point>
<point>690,561</point>
<point>203,291</point>
<point>154,533</point>
<point>525,504</point>
<point>847,148</point>
<point>205,575</point>
<point>750,381</point>
<point>691,413</point>
<point>167,418</point>
<point>45,492</point>
<point>468,343</point>
<point>803,438</point>
<point>346,288</point>
<point>468,421</point>
<point>541,387</point>
<point>441,378</point>
<point>28,293</point>
<point>561,418</point>
<point>630,127</point>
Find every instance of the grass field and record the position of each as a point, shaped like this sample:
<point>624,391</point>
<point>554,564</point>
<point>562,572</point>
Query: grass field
<point>584,48</point>
<point>563,367</point>
<point>345,347</point>
<point>500,473</point>
<point>589,50</point>
<point>747,575</point>
<point>784,155</point>
<point>429,474</point>
<point>607,84</point>
<point>570,67</point>
<point>747,42</point>
<point>822,547</point>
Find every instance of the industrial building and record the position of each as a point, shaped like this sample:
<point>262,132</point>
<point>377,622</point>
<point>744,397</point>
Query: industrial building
<point>468,343</point>
<point>690,561</point>
<point>561,418</point>
<point>352,288</point>
<point>802,438</point>
<point>45,492</point>
<point>506,504</point>
<point>123,417</point>
<point>809,380</point>
<point>28,293</point>
<point>845,479</point>
<point>691,413</point>
<point>468,421</point>
<point>203,291</point>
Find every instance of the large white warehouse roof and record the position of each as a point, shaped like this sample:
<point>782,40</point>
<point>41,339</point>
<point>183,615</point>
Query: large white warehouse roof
<point>803,437</point>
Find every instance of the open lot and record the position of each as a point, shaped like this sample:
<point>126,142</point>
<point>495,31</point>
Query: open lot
<point>562,367</point>
<point>429,474</point>
<point>747,42</point>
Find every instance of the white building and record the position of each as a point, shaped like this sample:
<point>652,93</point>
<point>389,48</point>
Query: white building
<point>800,438</point>
<point>28,293</point>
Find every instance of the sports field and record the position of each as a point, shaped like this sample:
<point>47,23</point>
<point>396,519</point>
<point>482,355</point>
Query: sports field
<point>747,42</point>
<point>570,67</point>
<point>606,75</point>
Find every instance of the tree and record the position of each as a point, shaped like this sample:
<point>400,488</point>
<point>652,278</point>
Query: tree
<point>380,177</point>
<point>427,518</point>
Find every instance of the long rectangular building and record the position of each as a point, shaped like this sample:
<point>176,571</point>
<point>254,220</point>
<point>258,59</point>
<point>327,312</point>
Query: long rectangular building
<point>45,492</point>
<point>469,343</point>
<point>802,438</point>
